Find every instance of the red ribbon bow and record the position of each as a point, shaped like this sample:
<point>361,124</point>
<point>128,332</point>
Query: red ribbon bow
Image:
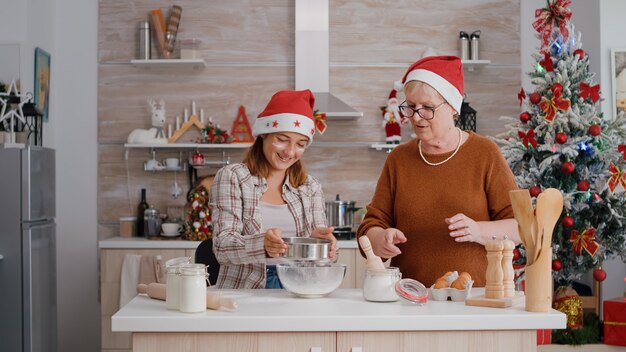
<point>550,106</point>
<point>528,137</point>
<point>521,96</point>
<point>320,121</point>
<point>556,13</point>
<point>587,91</point>
<point>618,177</point>
<point>547,62</point>
<point>622,149</point>
<point>584,240</point>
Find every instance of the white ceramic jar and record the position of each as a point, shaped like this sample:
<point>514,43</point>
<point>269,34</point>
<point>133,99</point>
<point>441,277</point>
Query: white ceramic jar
<point>193,278</point>
<point>172,281</point>
<point>380,286</point>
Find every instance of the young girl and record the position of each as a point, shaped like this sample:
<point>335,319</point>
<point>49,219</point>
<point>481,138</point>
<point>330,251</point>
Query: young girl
<point>268,196</point>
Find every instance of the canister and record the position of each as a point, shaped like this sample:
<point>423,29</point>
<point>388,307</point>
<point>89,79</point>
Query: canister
<point>127,226</point>
<point>189,48</point>
<point>380,286</point>
<point>474,48</point>
<point>152,222</point>
<point>145,41</point>
<point>193,288</point>
<point>464,45</point>
<point>172,283</point>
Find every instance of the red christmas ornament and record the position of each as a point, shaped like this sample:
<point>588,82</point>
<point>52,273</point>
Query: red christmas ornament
<point>197,159</point>
<point>595,130</point>
<point>534,191</point>
<point>599,275</point>
<point>516,254</point>
<point>561,138</point>
<point>557,265</point>
<point>583,185</point>
<point>568,167</point>
<point>524,117</point>
<point>580,53</point>
<point>557,88</point>
<point>567,221</point>
<point>535,98</point>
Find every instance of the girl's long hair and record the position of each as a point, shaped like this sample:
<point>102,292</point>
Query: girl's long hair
<point>259,166</point>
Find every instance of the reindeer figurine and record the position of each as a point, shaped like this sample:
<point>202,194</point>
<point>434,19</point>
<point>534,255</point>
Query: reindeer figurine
<point>158,116</point>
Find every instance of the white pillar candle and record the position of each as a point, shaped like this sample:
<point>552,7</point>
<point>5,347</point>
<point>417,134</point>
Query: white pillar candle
<point>193,107</point>
<point>177,123</point>
<point>202,115</point>
<point>186,115</point>
<point>169,130</point>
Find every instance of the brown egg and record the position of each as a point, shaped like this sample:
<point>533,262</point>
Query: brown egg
<point>466,274</point>
<point>441,283</point>
<point>446,275</point>
<point>460,283</point>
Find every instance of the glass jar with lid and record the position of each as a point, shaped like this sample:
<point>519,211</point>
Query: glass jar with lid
<point>172,283</point>
<point>193,288</point>
<point>380,286</point>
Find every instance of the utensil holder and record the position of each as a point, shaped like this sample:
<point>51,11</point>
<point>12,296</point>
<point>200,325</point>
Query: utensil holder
<point>538,278</point>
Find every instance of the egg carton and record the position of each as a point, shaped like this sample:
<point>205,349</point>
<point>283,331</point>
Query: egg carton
<point>456,295</point>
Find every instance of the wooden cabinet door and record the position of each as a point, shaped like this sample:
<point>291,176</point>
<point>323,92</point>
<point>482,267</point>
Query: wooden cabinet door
<point>297,342</point>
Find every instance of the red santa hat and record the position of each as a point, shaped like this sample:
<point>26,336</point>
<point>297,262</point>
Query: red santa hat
<point>444,73</point>
<point>288,111</point>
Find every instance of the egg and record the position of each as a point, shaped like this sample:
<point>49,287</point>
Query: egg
<point>461,282</point>
<point>441,283</point>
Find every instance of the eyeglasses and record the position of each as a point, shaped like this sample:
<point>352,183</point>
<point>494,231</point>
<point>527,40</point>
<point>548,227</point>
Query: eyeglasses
<point>426,112</point>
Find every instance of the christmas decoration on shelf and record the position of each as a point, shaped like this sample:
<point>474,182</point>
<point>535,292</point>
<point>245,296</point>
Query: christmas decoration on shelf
<point>392,118</point>
<point>242,132</point>
<point>562,140</point>
<point>212,133</point>
<point>188,122</point>
<point>19,114</point>
<point>199,226</point>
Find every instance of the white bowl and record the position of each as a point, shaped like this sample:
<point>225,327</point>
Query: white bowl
<point>310,279</point>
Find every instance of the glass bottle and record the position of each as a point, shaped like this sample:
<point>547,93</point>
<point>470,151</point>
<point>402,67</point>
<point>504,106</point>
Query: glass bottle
<point>141,208</point>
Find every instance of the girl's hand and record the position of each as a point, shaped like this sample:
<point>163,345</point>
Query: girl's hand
<point>326,233</point>
<point>273,243</point>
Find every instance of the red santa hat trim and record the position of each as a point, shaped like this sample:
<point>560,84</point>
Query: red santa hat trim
<point>444,73</point>
<point>287,111</point>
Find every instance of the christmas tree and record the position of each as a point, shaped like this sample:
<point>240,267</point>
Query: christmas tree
<point>562,140</point>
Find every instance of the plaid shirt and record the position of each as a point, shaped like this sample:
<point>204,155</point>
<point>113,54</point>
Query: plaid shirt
<point>237,236</point>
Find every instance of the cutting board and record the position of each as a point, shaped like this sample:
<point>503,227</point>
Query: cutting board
<point>482,301</point>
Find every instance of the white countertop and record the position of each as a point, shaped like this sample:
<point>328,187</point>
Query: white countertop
<point>343,310</point>
<point>144,243</point>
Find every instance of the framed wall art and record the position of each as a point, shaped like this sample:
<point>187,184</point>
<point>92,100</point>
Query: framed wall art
<point>42,81</point>
<point>618,79</point>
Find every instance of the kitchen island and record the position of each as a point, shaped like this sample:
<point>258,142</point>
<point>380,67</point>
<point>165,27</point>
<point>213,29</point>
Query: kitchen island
<point>276,320</point>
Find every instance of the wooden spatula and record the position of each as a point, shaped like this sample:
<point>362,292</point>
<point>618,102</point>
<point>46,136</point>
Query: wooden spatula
<point>551,208</point>
<point>523,211</point>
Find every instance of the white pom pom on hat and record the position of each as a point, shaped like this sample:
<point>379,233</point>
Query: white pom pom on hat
<point>443,73</point>
<point>287,111</point>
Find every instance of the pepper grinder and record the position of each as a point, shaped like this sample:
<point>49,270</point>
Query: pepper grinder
<point>507,267</point>
<point>494,287</point>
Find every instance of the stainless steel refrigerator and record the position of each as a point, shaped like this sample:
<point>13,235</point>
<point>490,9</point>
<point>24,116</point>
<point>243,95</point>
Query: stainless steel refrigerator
<point>28,292</point>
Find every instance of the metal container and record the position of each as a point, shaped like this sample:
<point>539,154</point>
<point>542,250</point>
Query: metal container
<point>306,248</point>
<point>152,222</point>
<point>340,214</point>
<point>474,38</point>
<point>145,42</point>
<point>464,45</point>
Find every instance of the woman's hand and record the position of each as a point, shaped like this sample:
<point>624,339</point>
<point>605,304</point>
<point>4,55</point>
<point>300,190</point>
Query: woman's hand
<point>464,229</point>
<point>384,241</point>
<point>326,233</point>
<point>273,243</point>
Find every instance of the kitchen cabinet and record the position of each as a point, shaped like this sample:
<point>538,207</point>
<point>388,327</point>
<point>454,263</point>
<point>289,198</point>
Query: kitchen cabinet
<point>191,64</point>
<point>110,276</point>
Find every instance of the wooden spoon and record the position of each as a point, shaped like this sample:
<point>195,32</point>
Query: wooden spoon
<point>523,210</point>
<point>552,204</point>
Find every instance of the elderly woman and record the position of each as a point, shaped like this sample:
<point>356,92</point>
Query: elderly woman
<point>269,196</point>
<point>441,196</point>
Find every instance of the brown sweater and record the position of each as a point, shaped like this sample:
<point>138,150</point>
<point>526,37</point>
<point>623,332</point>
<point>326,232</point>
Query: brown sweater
<point>415,198</point>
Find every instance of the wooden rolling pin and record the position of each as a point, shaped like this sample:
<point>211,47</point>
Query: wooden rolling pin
<point>213,300</point>
<point>373,262</point>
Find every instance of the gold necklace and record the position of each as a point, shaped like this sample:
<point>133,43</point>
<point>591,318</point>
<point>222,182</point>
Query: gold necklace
<point>458,146</point>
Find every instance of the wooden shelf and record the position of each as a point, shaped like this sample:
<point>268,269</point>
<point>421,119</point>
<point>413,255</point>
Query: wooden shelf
<point>194,64</point>
<point>383,146</point>
<point>470,65</point>
<point>190,146</point>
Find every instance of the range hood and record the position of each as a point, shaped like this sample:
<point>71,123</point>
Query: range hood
<point>312,59</point>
